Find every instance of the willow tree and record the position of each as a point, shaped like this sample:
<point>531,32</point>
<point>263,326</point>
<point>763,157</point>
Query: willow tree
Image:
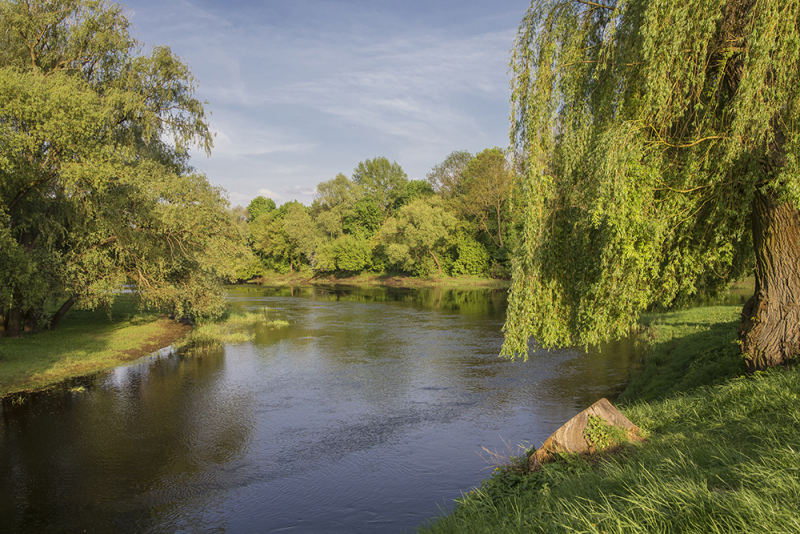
<point>660,143</point>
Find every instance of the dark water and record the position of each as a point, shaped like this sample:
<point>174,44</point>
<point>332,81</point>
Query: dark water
<point>366,414</point>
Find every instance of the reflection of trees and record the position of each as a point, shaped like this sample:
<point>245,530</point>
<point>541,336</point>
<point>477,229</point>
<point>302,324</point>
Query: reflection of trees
<point>119,456</point>
<point>459,347</point>
<point>479,301</point>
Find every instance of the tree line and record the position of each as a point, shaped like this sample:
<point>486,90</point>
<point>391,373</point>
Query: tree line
<point>97,193</point>
<point>461,220</point>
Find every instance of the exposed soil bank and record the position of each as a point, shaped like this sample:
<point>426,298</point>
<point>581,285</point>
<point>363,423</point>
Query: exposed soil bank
<point>169,332</point>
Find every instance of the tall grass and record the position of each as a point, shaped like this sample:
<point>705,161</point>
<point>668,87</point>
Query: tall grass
<point>721,457</point>
<point>235,327</point>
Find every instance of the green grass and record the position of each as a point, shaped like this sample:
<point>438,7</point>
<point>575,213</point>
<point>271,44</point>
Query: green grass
<point>85,341</point>
<point>90,341</point>
<point>688,349</point>
<point>232,329</point>
<point>722,455</point>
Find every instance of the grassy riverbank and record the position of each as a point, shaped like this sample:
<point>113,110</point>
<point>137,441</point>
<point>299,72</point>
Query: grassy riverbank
<point>91,341</point>
<point>84,342</point>
<point>722,455</point>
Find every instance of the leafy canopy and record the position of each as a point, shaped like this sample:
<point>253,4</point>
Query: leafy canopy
<point>644,129</point>
<point>260,205</point>
<point>381,180</point>
<point>95,186</point>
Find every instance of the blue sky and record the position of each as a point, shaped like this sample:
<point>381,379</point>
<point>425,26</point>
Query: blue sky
<point>301,90</point>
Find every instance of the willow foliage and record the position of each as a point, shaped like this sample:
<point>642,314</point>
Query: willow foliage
<point>645,128</point>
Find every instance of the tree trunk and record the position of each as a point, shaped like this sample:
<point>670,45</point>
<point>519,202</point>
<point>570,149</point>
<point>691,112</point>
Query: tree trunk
<point>31,321</point>
<point>437,261</point>
<point>13,323</point>
<point>61,312</point>
<point>770,329</point>
<point>499,227</point>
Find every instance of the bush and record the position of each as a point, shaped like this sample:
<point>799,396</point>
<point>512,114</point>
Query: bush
<point>471,257</point>
<point>353,253</point>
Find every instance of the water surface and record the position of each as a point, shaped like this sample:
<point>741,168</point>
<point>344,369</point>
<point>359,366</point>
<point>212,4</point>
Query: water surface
<point>366,414</point>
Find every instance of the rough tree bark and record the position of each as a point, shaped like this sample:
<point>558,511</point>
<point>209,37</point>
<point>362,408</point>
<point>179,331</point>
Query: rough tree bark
<point>770,329</point>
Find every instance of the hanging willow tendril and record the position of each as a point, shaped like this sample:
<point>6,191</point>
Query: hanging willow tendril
<point>626,117</point>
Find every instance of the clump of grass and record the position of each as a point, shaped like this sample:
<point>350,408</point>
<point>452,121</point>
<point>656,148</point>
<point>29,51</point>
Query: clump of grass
<point>234,328</point>
<point>514,459</point>
<point>509,475</point>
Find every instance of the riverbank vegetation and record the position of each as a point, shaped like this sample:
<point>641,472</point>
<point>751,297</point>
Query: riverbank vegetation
<point>382,280</point>
<point>90,341</point>
<point>96,190</point>
<point>232,328</point>
<point>461,221</point>
<point>721,453</point>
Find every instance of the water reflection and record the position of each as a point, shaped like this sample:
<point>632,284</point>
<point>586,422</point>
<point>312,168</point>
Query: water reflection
<point>365,414</point>
<point>117,454</point>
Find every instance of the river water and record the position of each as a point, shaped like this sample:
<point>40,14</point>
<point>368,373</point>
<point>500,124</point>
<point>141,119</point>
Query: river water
<point>370,412</point>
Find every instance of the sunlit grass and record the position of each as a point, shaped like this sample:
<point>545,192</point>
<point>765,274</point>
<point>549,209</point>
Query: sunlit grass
<point>90,341</point>
<point>235,328</point>
<point>85,341</point>
<point>721,459</point>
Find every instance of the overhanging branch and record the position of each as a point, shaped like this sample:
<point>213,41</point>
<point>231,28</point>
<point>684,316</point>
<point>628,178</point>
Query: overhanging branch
<point>593,4</point>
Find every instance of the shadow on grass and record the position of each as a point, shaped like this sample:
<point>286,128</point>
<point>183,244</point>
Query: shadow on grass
<point>689,349</point>
<point>85,341</point>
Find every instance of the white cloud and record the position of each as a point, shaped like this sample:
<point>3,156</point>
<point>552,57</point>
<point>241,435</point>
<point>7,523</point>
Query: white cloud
<point>269,194</point>
<point>239,199</point>
<point>241,139</point>
<point>299,191</point>
<point>305,89</point>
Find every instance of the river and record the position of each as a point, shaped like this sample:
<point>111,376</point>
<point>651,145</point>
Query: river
<point>369,412</point>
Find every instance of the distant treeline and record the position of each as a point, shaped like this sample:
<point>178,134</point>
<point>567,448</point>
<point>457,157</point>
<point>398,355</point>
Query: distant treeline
<point>461,220</point>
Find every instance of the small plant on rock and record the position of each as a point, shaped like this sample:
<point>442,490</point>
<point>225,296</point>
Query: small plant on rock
<point>602,436</point>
